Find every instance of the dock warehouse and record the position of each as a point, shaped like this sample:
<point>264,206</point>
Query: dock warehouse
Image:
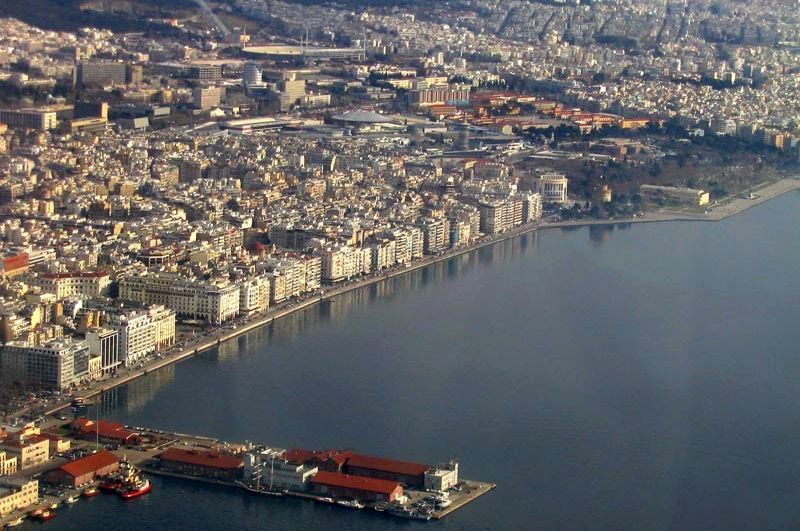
<point>105,431</point>
<point>85,470</point>
<point>363,488</point>
<point>410,474</point>
<point>206,464</point>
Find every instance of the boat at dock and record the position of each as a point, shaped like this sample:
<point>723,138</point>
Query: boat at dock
<point>413,513</point>
<point>255,489</point>
<point>71,499</point>
<point>45,515</point>
<point>325,499</point>
<point>90,491</point>
<point>127,482</point>
<point>350,503</point>
<point>140,488</point>
<point>15,522</point>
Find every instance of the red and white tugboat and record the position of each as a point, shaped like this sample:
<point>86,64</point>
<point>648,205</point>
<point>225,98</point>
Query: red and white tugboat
<point>131,483</point>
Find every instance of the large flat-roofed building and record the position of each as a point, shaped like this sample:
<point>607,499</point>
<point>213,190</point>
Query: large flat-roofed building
<point>15,495</point>
<point>57,364</point>
<point>351,486</point>
<point>215,302</point>
<point>673,193</point>
<point>39,119</point>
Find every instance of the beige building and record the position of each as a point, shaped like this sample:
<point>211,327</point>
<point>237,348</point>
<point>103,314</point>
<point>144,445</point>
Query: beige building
<point>8,464</point>
<point>14,496</point>
<point>75,284</point>
<point>30,450</point>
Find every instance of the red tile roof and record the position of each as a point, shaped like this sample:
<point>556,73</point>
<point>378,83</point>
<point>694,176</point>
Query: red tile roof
<point>106,430</point>
<point>387,465</point>
<point>207,459</point>
<point>332,479</point>
<point>91,463</point>
<point>300,455</point>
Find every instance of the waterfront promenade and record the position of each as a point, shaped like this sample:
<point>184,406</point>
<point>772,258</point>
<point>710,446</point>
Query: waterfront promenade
<point>214,336</point>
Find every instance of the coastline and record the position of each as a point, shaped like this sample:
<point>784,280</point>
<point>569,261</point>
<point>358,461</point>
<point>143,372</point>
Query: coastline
<point>216,336</point>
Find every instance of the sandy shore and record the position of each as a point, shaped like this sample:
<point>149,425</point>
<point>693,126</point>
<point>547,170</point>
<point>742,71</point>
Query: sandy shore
<point>216,336</point>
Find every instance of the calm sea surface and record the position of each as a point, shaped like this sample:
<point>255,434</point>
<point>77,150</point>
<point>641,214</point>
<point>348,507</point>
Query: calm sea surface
<point>633,378</point>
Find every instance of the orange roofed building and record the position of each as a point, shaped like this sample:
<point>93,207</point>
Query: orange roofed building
<point>105,431</point>
<point>85,470</point>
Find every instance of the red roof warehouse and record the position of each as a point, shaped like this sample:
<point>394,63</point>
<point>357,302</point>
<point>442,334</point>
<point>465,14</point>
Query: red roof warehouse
<point>345,485</point>
<point>201,463</point>
<point>85,470</point>
<point>105,431</point>
<point>411,474</point>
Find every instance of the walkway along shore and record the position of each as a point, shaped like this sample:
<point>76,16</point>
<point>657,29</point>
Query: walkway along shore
<point>225,333</point>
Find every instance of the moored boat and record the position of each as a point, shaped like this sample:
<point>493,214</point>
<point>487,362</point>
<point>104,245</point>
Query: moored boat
<point>45,515</point>
<point>140,488</point>
<point>71,499</point>
<point>350,503</point>
<point>408,512</point>
<point>15,522</point>
<point>90,491</point>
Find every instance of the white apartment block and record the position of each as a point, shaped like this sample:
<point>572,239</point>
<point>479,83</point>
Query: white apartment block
<point>137,335</point>
<point>254,295</point>
<point>212,301</point>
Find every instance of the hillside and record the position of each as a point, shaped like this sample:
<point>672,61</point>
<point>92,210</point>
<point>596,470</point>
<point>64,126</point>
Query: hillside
<point>117,15</point>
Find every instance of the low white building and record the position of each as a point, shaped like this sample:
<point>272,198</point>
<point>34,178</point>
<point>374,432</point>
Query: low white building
<point>442,477</point>
<point>267,468</point>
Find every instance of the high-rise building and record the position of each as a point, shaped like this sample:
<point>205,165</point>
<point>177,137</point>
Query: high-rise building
<point>207,97</point>
<point>104,342</point>
<point>90,73</point>
<point>56,364</point>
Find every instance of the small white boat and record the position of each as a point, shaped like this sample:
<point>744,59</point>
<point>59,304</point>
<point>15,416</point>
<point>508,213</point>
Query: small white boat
<point>70,499</point>
<point>350,504</point>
